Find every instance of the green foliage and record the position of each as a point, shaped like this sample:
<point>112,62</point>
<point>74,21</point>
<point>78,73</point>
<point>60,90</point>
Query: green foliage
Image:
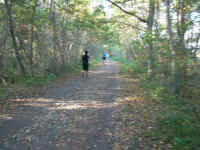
<point>131,67</point>
<point>21,84</point>
<point>181,126</point>
<point>178,123</point>
<point>148,37</point>
<point>37,81</point>
<point>41,17</point>
<point>178,120</point>
<point>20,2</point>
<point>126,67</point>
<point>3,94</point>
<point>95,62</point>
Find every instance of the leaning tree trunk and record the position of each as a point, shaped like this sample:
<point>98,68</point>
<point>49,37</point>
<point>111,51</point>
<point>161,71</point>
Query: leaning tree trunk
<point>12,32</point>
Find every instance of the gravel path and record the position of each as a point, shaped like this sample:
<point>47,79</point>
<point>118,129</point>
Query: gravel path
<point>74,116</point>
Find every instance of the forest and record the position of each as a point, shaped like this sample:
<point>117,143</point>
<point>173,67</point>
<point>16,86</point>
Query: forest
<point>156,42</point>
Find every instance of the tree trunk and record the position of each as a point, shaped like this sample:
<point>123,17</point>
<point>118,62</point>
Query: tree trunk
<point>157,16</point>
<point>32,38</point>
<point>3,41</point>
<point>56,45</point>
<point>181,55</point>
<point>12,32</point>
<point>151,59</point>
<point>173,83</point>
<point>63,43</point>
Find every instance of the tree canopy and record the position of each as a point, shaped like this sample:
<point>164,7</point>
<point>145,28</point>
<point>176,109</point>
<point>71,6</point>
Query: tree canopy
<point>39,35</point>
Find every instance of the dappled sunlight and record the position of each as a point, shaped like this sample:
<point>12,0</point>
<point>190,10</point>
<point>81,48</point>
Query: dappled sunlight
<point>36,104</point>
<point>132,80</point>
<point>70,105</point>
<point>33,100</point>
<point>63,104</point>
<point>130,99</point>
<point>128,78</point>
<point>111,77</point>
<point>40,102</point>
<point>5,117</point>
<point>99,71</point>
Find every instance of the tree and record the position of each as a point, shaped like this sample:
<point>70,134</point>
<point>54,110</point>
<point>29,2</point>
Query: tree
<point>149,22</point>
<point>12,32</point>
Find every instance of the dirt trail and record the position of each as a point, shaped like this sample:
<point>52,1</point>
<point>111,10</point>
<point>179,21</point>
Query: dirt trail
<point>75,116</point>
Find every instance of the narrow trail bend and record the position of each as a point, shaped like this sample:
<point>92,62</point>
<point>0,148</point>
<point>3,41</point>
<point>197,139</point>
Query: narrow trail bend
<point>75,116</point>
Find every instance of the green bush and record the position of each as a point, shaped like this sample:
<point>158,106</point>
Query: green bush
<point>178,125</point>
<point>95,62</point>
<point>37,81</point>
<point>178,122</point>
<point>132,67</point>
<point>181,130</point>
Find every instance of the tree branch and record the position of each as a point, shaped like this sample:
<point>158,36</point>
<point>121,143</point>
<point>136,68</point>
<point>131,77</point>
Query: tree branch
<point>127,12</point>
<point>133,26</point>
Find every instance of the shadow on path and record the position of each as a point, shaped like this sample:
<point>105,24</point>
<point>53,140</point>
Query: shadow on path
<point>75,116</point>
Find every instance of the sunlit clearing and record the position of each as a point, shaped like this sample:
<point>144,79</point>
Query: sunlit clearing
<point>81,105</point>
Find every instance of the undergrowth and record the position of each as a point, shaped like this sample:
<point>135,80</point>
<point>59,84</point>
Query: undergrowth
<point>177,123</point>
<point>94,63</point>
<point>23,85</point>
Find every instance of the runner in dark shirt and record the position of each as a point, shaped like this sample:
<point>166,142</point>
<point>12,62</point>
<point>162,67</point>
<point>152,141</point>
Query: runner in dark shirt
<point>85,63</point>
